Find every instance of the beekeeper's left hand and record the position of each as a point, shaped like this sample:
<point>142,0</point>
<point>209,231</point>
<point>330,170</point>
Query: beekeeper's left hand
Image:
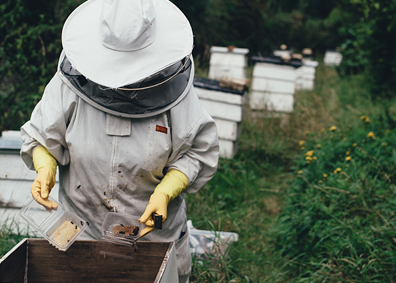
<point>172,185</point>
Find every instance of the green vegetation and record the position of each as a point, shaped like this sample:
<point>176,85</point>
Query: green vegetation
<point>367,47</point>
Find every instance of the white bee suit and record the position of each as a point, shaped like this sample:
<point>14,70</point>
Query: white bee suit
<point>112,163</point>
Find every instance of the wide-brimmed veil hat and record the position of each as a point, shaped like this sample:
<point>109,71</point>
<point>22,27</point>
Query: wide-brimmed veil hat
<point>116,43</point>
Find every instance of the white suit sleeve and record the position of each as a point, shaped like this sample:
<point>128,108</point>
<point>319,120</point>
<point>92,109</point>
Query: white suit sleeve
<point>195,142</point>
<point>48,123</point>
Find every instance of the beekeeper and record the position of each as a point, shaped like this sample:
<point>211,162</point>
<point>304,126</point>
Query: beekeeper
<point>122,121</point>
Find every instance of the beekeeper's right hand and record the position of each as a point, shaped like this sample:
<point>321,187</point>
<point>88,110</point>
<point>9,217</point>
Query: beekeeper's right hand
<point>45,165</point>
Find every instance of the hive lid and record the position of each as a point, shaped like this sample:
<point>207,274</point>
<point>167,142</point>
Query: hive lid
<point>234,50</point>
<point>215,85</point>
<point>273,59</point>
<point>38,216</point>
<point>10,141</point>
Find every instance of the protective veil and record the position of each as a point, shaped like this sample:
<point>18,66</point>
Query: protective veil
<point>109,162</point>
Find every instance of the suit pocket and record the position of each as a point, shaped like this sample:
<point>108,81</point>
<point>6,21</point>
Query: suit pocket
<point>159,146</point>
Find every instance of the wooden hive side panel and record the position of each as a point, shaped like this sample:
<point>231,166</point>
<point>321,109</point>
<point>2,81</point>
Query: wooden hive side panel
<point>82,263</point>
<point>13,264</point>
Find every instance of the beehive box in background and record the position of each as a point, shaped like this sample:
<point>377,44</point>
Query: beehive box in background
<point>283,53</point>
<point>307,54</point>
<point>305,75</point>
<point>332,58</point>
<point>227,61</point>
<point>226,106</point>
<point>34,260</point>
<point>273,84</point>
<point>15,182</point>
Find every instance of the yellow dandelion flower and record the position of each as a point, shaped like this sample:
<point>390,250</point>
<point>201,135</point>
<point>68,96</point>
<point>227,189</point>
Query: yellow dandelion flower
<point>347,153</point>
<point>309,153</point>
<point>324,175</point>
<point>337,170</point>
<point>365,119</point>
<point>300,171</point>
<point>318,146</point>
<point>309,158</point>
<point>333,128</point>
<point>302,148</point>
<point>308,161</point>
<point>354,144</point>
<point>314,158</point>
<point>348,158</point>
<point>320,181</point>
<point>301,143</point>
<point>371,135</point>
<point>384,144</point>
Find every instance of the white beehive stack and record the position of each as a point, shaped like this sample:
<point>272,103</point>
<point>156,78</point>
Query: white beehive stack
<point>332,58</point>
<point>226,106</point>
<point>227,61</point>
<point>273,84</point>
<point>305,75</point>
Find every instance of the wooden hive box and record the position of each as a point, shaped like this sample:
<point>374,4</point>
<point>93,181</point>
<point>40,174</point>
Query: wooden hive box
<point>227,61</point>
<point>305,75</point>
<point>332,58</point>
<point>226,106</point>
<point>35,260</point>
<point>273,84</point>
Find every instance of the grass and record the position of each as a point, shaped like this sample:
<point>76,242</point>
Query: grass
<point>252,193</point>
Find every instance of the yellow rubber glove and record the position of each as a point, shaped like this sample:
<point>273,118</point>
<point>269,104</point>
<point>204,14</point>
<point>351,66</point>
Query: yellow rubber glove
<point>172,185</point>
<point>45,165</point>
